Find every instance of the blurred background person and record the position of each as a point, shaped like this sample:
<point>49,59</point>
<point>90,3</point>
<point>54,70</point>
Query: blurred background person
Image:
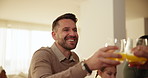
<point>134,70</point>
<point>107,72</point>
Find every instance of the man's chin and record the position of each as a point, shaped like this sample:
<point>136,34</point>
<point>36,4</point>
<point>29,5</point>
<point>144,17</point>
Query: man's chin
<point>71,47</point>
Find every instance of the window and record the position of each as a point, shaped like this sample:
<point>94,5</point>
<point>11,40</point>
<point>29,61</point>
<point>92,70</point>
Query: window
<point>18,45</point>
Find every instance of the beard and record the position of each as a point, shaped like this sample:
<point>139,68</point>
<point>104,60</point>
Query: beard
<point>68,46</point>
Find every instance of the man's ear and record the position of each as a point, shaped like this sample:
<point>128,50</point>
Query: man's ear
<point>53,35</point>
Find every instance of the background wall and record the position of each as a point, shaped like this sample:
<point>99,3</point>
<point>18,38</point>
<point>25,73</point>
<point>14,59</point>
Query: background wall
<point>95,25</point>
<point>100,21</point>
<point>136,12</point>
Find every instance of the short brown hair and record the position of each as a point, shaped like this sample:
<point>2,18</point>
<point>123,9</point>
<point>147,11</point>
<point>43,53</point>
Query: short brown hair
<point>64,16</point>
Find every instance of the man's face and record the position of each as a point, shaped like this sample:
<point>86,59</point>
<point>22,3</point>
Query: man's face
<point>66,35</point>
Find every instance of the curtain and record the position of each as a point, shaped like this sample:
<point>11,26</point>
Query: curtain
<point>18,45</point>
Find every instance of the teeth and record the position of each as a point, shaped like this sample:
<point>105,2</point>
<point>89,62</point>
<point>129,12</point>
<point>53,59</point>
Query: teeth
<point>70,40</point>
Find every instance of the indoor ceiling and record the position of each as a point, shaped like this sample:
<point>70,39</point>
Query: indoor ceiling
<point>37,11</point>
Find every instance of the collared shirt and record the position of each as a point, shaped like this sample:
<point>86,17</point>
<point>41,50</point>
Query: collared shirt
<point>51,63</point>
<point>61,57</point>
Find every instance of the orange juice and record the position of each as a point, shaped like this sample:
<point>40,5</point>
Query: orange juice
<point>132,58</point>
<point>119,59</point>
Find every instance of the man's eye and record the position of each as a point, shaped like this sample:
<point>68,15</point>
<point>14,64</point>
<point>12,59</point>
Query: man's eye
<point>109,74</point>
<point>65,30</point>
<point>75,30</point>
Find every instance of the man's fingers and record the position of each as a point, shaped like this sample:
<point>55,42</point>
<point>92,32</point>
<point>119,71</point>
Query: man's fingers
<point>108,62</point>
<point>108,55</point>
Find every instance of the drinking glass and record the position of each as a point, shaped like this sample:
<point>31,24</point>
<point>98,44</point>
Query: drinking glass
<point>130,57</point>
<point>121,45</point>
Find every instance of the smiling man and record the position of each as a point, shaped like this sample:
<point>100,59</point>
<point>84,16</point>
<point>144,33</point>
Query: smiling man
<point>58,61</point>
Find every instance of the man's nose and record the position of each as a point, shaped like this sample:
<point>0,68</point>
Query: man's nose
<point>72,33</point>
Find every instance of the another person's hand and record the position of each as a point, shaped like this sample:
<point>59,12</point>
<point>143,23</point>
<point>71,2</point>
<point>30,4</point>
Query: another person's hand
<point>140,51</point>
<point>100,58</point>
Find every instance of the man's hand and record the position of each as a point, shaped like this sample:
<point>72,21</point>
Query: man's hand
<point>100,58</point>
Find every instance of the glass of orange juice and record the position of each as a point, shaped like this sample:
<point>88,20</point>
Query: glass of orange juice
<point>130,56</point>
<point>121,45</point>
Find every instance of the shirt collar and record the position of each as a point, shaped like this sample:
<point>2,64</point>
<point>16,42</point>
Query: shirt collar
<point>59,54</point>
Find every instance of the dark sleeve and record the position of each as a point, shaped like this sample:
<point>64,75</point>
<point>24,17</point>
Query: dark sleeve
<point>129,72</point>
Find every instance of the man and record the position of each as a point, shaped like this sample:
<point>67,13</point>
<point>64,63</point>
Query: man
<point>135,70</point>
<point>58,61</point>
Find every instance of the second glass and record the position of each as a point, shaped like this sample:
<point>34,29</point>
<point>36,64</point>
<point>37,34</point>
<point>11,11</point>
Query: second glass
<point>130,56</point>
<point>121,45</point>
